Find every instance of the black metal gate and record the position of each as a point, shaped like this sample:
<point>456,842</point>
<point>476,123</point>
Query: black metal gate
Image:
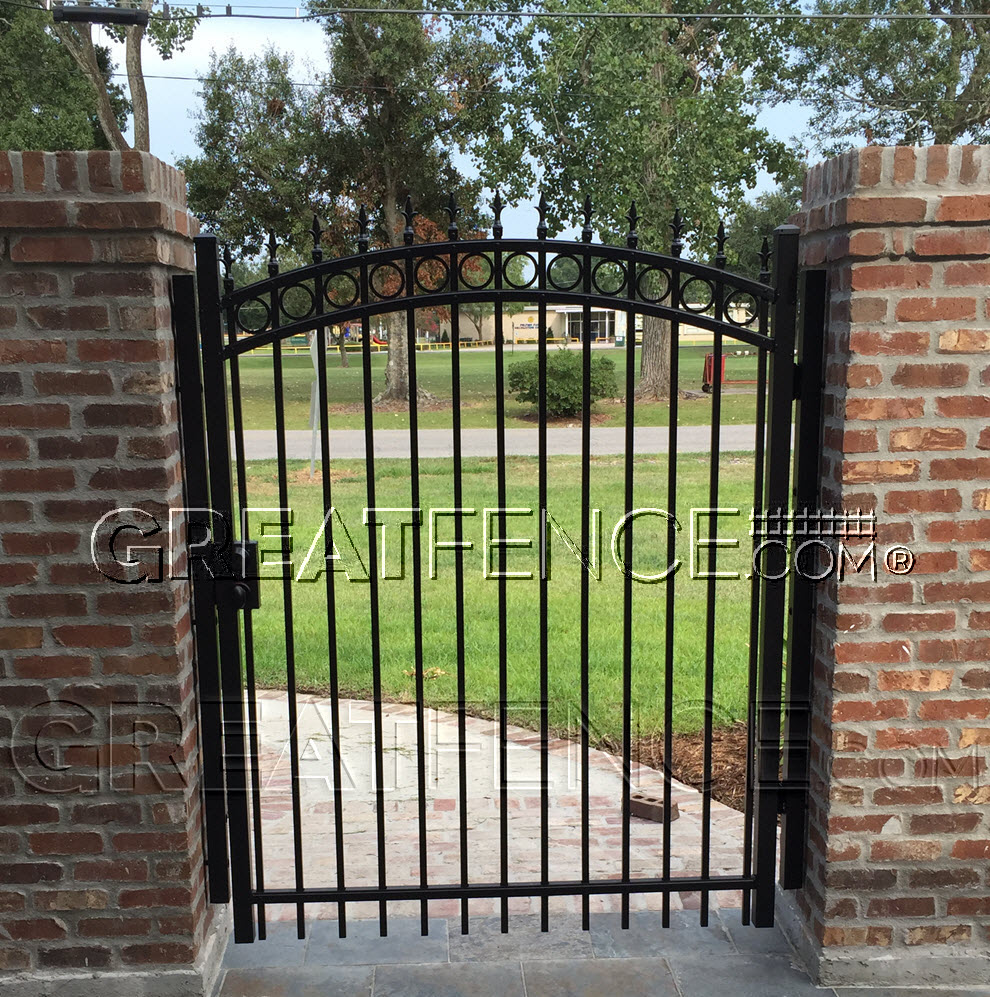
<point>217,325</point>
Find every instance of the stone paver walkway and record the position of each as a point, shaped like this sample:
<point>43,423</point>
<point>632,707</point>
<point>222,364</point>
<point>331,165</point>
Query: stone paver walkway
<point>524,830</point>
<point>259,444</point>
<point>725,959</point>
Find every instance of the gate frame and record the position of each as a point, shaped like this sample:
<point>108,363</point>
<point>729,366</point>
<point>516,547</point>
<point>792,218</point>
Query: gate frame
<point>226,746</point>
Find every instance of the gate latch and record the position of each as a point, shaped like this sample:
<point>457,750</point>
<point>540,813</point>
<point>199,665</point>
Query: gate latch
<point>244,589</point>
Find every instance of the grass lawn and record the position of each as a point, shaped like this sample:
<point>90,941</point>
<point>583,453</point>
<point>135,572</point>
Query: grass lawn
<point>309,604</point>
<point>477,391</point>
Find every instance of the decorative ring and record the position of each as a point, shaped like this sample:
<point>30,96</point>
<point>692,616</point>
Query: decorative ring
<point>471,280</point>
<point>621,276</point>
<point>505,271</point>
<point>740,300</point>
<point>643,289</point>
<point>440,285</point>
<point>697,307</point>
<point>384,268</point>
<point>251,329</point>
<point>565,286</point>
<point>293,315</point>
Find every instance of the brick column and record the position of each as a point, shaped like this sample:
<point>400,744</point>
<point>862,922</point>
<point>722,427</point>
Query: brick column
<point>898,891</point>
<point>101,862</point>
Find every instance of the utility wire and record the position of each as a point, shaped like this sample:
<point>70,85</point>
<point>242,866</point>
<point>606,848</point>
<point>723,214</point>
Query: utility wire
<point>230,12</point>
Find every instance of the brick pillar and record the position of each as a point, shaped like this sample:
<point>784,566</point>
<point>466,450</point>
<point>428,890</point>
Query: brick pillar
<point>898,891</point>
<point>101,862</point>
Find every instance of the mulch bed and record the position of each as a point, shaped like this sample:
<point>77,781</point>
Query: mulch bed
<point>688,755</point>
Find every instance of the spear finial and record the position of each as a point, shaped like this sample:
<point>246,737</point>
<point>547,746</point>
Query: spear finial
<point>497,208</point>
<point>676,227</point>
<point>362,230</point>
<point>317,233</point>
<point>586,231</point>
<point>541,227</point>
<point>720,246</point>
<point>452,215</point>
<point>632,238</point>
<point>272,254</point>
<point>765,261</point>
<point>408,234</point>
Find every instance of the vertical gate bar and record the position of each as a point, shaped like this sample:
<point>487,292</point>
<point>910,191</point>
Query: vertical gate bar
<point>774,595</point>
<point>503,692</point>
<point>754,607</point>
<point>455,391</point>
<point>800,638</point>
<point>287,615</point>
<point>668,622</point>
<point>376,651</point>
<point>197,498</point>
<point>254,751</point>
<point>627,554</point>
<point>712,534</point>
<point>221,503</point>
<point>544,589</point>
<point>417,579</point>
<point>585,580</point>
<point>333,663</point>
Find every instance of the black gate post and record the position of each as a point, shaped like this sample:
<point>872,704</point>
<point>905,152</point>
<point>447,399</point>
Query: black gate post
<point>800,630</point>
<point>192,428</point>
<point>228,627</point>
<point>774,591</point>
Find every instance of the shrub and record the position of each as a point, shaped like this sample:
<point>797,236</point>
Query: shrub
<point>445,338</point>
<point>564,381</point>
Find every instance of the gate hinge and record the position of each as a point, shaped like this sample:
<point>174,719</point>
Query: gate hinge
<point>797,381</point>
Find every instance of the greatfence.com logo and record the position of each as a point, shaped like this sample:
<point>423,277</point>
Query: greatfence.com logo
<point>129,545</point>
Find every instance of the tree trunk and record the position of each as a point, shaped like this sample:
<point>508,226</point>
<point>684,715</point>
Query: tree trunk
<point>139,93</point>
<point>344,361</point>
<point>397,366</point>
<point>654,360</point>
<point>79,43</point>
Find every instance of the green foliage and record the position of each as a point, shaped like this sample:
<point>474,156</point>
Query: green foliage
<point>564,382</point>
<point>48,102</point>
<point>902,82</point>
<point>444,337</point>
<point>757,219</point>
<point>660,112</point>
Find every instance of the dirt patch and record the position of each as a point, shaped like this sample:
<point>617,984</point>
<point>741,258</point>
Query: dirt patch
<point>567,421</point>
<point>399,408</point>
<point>688,757</point>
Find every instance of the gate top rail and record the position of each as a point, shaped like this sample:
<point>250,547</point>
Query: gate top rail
<point>461,271</point>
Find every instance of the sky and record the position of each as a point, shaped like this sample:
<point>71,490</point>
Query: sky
<point>173,103</point>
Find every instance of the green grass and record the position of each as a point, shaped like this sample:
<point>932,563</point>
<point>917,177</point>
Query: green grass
<point>344,392</point>
<point>309,598</point>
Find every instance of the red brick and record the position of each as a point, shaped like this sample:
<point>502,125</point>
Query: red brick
<point>977,678</point>
<point>964,406</point>
<point>966,530</point>
<point>161,896</point>
<point>66,843</point>
<point>860,471</point>
<point>42,479</point>
<point>876,594</point>
<point>966,274</point>
<point>75,448</point>
<point>18,351</point>
<point>945,823</point>
<point>968,906</point>
<point>964,208</point>
<point>88,957</point>
<point>72,317</point>
<point>99,635</point>
<point>899,739</point>
<point>106,813</point>
<point>905,850</point>
<point>912,622</point>
<point>942,500</point>
<point>945,375</point>
<point>954,709</point>
<point>972,849</point>
<point>117,350</point>
<point>32,284</point>
<point>64,900</point>
<point>858,711</point>
<point>954,650</point>
<point>945,767</point>
<point>24,873</point>
<point>957,591</point>
<point>42,605</point>
<point>953,242</point>
<point>894,409</point>
<point>888,796</point>
<point>938,934</point>
<point>123,415</point>
<point>915,680</point>
<point>119,870</point>
<point>14,448</point>
<point>885,210</point>
<point>24,814</point>
<point>14,512</point>
<point>52,666</point>
<point>901,907</point>
<point>113,927</point>
<point>960,469</point>
<point>925,438</point>
<point>49,416</point>
<point>884,276</point>
<point>17,638</point>
<point>158,952</point>
<point>13,574</point>
<point>73,383</point>
<point>964,341</point>
<point>150,841</point>
<point>52,249</point>
<point>100,172</point>
<point>33,170</point>
<point>935,309</point>
<point>33,214</point>
<point>34,929</point>
<point>6,174</point>
<point>40,543</point>
<point>115,284</point>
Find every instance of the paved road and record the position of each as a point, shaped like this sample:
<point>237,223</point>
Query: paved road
<point>259,444</point>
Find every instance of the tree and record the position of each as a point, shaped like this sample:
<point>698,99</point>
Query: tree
<point>48,103</point>
<point>380,123</point>
<point>167,34</point>
<point>656,111</point>
<point>895,82</point>
<point>755,220</point>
